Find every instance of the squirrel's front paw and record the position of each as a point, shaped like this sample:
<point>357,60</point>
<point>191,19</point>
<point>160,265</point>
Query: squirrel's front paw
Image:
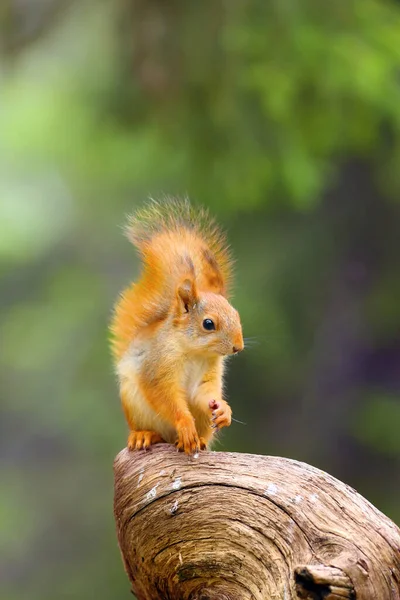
<point>188,439</point>
<point>221,414</point>
<point>143,439</point>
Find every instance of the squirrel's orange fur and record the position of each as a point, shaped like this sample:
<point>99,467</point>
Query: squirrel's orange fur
<point>169,359</point>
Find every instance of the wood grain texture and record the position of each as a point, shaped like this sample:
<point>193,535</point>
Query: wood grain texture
<point>239,526</point>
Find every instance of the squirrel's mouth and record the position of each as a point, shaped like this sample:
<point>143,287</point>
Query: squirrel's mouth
<point>225,352</point>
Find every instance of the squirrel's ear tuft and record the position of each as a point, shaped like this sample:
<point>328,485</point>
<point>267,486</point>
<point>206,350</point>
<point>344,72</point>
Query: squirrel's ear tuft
<point>187,295</point>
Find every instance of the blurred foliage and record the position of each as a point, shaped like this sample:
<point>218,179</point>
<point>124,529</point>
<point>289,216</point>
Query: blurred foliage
<point>283,117</point>
<point>378,424</point>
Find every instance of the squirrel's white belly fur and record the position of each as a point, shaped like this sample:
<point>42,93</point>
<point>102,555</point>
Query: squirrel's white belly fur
<point>128,370</point>
<point>194,371</point>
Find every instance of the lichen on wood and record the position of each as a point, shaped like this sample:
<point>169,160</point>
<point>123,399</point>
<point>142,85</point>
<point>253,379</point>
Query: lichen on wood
<point>238,526</point>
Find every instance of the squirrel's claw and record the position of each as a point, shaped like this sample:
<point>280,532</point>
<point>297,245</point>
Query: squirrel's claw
<point>203,444</point>
<point>143,439</point>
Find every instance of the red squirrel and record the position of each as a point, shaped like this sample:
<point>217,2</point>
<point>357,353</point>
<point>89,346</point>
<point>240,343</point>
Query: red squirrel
<point>172,330</point>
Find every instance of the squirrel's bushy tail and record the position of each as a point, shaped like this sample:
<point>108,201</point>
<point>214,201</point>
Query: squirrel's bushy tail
<point>174,219</point>
<point>176,241</point>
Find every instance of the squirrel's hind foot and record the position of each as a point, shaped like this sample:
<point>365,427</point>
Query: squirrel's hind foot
<point>143,439</point>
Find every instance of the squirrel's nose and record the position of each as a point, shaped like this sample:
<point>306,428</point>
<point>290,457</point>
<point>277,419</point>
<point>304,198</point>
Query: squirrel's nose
<point>237,349</point>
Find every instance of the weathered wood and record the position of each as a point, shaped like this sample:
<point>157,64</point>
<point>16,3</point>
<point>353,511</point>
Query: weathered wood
<point>238,526</point>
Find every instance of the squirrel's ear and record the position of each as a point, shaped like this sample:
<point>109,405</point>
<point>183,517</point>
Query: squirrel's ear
<point>187,295</point>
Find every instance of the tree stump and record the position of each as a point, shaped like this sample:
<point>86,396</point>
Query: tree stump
<point>231,526</point>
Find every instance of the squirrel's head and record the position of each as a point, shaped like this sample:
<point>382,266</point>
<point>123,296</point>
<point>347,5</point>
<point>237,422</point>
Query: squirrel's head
<point>208,323</point>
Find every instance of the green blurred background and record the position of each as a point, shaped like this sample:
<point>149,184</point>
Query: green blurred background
<point>281,116</point>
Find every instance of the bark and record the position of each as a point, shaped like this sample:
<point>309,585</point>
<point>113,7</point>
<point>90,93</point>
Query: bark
<point>233,526</point>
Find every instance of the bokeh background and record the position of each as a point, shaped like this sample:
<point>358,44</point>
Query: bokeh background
<point>281,116</point>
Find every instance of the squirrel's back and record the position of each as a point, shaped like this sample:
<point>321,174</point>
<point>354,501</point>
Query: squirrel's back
<point>175,241</point>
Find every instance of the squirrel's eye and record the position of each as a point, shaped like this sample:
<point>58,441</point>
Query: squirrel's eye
<point>208,325</point>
